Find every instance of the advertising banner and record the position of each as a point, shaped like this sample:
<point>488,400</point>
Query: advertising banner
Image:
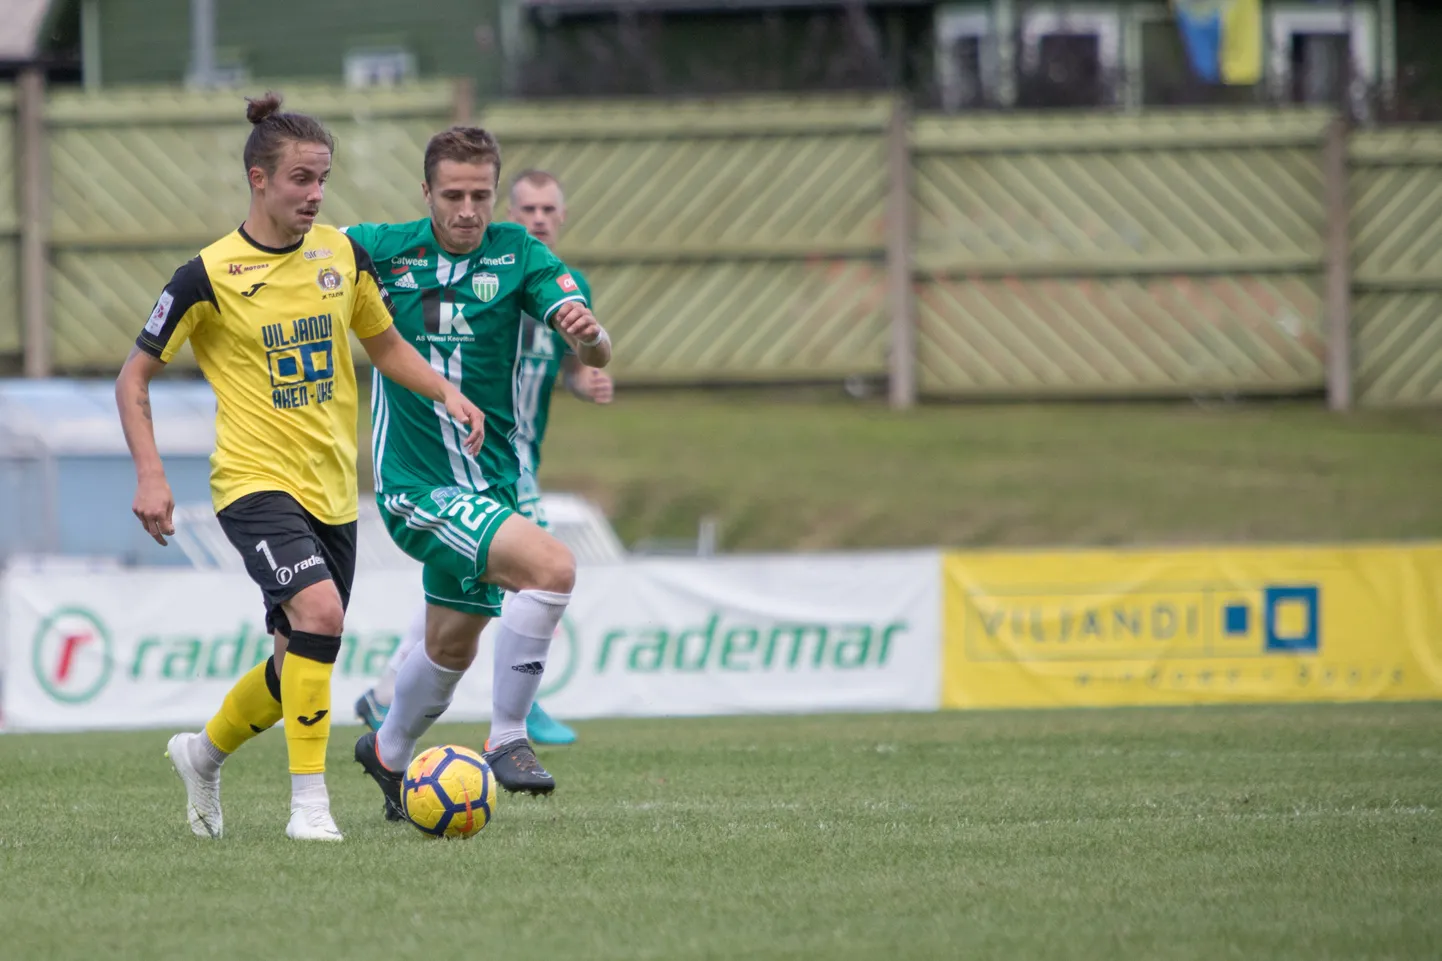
<point>1098,628</point>
<point>151,648</point>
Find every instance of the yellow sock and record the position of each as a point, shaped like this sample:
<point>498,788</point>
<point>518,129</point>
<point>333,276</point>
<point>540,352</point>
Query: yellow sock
<point>305,692</point>
<point>248,709</point>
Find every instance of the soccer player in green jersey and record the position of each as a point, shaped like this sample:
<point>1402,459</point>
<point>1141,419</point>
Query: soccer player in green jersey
<point>461,286</point>
<point>538,204</point>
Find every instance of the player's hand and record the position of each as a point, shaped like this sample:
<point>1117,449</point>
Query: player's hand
<point>463,411</point>
<point>576,320</point>
<point>598,385</point>
<point>154,506</point>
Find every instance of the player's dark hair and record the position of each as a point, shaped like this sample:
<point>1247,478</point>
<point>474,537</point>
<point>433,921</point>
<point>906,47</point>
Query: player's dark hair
<point>536,178</point>
<point>467,145</point>
<point>272,130</point>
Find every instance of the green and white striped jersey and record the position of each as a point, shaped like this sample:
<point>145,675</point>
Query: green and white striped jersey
<point>465,315</point>
<point>542,351</point>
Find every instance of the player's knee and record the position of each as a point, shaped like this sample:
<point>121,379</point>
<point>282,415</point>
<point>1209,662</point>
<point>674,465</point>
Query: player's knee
<point>452,652</point>
<point>319,616</point>
<point>556,571</point>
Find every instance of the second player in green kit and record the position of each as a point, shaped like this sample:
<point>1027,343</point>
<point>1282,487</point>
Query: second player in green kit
<point>461,287</point>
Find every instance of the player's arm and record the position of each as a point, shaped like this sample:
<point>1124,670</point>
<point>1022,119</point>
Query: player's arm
<point>397,360</point>
<point>587,383</point>
<point>186,301</point>
<point>552,294</point>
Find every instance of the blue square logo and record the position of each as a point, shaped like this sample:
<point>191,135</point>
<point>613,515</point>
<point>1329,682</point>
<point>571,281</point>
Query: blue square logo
<point>286,367</point>
<point>1237,620</point>
<point>1292,617</point>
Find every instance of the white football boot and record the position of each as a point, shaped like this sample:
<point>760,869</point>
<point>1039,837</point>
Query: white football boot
<point>312,822</point>
<point>202,794</point>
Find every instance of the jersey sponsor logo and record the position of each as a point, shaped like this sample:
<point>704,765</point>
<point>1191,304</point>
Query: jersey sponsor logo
<point>408,282</point>
<point>505,260</point>
<point>486,285</point>
<point>567,283</point>
<point>301,361</point>
<point>237,269</point>
<point>254,288</point>
<point>452,322</point>
<point>319,253</point>
<point>284,574</point>
<point>445,321</point>
<point>400,265</point>
<point>156,323</point>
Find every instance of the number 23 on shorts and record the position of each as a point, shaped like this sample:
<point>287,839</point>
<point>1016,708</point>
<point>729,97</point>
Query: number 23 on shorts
<point>472,510</point>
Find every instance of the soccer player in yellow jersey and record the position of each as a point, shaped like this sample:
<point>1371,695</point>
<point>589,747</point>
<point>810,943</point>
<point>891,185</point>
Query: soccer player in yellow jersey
<point>268,310</point>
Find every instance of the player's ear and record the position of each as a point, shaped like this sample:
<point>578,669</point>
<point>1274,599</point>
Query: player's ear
<point>257,178</point>
<point>426,190</point>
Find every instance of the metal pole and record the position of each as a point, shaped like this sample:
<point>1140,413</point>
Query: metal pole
<point>33,186</point>
<point>902,362</point>
<point>202,42</point>
<point>1337,298</point>
<point>90,44</point>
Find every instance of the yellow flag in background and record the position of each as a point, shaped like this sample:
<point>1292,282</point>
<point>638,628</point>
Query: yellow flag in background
<point>1241,53</point>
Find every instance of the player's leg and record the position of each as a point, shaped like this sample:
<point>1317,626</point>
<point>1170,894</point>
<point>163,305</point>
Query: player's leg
<point>541,727</point>
<point>447,544</point>
<point>311,635</point>
<point>372,706</point>
<point>258,525</point>
<point>539,571</point>
<point>315,616</point>
<point>425,685</point>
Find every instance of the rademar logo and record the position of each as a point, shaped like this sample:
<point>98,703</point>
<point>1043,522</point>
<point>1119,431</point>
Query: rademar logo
<point>71,655</point>
<point>718,645</point>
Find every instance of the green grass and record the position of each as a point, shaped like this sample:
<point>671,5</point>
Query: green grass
<point>783,474</point>
<point>1281,833</point>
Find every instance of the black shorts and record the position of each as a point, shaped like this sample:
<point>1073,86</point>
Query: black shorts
<point>286,550</point>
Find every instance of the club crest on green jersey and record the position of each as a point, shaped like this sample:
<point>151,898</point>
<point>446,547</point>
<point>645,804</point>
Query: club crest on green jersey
<point>486,285</point>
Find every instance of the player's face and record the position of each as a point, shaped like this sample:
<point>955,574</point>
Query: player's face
<point>462,198</point>
<point>540,209</point>
<point>291,195</point>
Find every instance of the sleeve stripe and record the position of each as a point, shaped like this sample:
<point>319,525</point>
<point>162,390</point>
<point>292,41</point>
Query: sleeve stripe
<point>564,300</point>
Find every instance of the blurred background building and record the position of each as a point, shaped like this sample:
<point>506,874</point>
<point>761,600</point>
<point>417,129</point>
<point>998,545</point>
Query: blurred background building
<point>962,54</point>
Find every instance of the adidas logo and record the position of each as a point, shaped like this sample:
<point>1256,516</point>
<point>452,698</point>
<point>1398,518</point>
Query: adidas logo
<point>531,667</point>
<point>408,282</point>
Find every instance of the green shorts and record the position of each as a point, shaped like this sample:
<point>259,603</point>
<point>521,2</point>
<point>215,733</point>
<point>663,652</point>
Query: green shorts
<point>449,530</point>
<point>528,496</point>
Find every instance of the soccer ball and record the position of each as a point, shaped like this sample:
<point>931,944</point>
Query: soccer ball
<point>449,792</point>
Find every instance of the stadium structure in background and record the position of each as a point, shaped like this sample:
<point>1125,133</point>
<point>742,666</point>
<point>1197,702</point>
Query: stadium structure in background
<point>1375,56</point>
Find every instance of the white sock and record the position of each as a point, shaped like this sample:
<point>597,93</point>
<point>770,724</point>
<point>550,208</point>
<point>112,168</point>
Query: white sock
<point>385,689</point>
<point>205,756</point>
<point>308,790</point>
<point>522,642</point>
<point>423,692</point>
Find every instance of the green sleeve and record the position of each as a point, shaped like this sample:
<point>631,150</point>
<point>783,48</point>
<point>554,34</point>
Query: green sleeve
<point>548,283</point>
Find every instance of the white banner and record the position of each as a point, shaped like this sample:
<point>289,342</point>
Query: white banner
<point>764,634</point>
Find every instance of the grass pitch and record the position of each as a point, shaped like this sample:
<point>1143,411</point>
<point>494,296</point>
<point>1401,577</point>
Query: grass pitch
<point>779,471</point>
<point>1278,833</point>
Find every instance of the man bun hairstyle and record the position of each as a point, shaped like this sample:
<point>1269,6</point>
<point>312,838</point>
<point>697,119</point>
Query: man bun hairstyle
<point>271,130</point>
<point>467,145</point>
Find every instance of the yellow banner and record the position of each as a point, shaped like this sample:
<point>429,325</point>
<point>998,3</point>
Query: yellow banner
<point>1103,628</point>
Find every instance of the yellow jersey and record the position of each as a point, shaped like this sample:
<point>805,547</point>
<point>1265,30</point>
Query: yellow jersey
<point>269,327</point>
